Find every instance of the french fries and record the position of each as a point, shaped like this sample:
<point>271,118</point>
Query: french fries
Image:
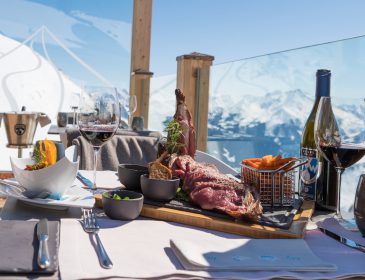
<point>268,162</point>
<point>271,188</point>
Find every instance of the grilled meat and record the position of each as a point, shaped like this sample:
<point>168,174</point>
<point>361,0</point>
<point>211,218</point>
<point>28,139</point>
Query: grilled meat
<point>210,189</point>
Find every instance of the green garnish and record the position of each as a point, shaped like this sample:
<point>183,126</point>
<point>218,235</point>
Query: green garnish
<point>38,155</point>
<point>117,197</point>
<point>182,195</point>
<point>174,132</point>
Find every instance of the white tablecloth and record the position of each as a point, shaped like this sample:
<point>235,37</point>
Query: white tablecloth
<point>140,249</point>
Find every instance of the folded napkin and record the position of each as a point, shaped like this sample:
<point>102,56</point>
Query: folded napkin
<point>249,255</point>
<point>19,247</point>
<point>333,225</point>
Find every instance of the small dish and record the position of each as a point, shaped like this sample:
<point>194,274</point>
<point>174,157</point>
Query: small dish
<point>55,179</point>
<point>130,174</point>
<point>162,190</point>
<point>122,209</point>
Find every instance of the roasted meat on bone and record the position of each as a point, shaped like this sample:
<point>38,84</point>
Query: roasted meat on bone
<point>183,117</point>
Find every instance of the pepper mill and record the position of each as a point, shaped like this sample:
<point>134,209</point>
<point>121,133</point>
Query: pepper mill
<point>359,205</point>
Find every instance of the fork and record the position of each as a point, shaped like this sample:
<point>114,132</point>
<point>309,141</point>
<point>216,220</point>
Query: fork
<point>91,226</point>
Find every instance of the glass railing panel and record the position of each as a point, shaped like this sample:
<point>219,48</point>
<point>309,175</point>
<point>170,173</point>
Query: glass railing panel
<point>46,60</point>
<point>258,106</point>
<point>162,101</point>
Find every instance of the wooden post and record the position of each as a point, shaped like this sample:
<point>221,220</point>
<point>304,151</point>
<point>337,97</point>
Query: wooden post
<point>140,56</point>
<point>193,80</point>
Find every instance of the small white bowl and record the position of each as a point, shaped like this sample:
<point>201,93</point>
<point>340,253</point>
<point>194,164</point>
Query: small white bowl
<point>56,178</point>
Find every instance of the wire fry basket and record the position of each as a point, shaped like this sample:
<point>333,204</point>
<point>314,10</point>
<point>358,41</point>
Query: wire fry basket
<point>276,187</point>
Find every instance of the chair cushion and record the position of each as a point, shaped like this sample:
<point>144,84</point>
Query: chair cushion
<point>133,149</point>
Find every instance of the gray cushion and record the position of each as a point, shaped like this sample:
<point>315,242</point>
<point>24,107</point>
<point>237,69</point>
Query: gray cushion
<point>73,133</point>
<point>135,148</point>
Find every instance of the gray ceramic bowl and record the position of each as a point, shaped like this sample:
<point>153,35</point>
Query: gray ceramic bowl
<point>130,174</point>
<point>162,190</point>
<point>122,209</point>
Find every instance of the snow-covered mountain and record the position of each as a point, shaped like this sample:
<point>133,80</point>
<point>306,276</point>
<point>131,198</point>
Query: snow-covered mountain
<point>278,114</point>
<point>265,115</point>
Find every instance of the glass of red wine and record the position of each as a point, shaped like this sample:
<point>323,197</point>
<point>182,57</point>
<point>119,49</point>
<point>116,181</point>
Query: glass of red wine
<point>342,148</point>
<point>98,118</point>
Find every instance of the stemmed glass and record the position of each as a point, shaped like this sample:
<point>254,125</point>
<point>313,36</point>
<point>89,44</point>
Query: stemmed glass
<point>98,117</point>
<point>132,108</point>
<point>75,102</point>
<point>340,149</point>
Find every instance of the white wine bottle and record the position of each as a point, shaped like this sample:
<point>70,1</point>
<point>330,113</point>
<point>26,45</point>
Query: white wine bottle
<point>317,177</point>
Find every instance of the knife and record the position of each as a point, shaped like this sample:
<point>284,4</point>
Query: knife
<point>85,181</point>
<point>343,240</point>
<point>43,254</point>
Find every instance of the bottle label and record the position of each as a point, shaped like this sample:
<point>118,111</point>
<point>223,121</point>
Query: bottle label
<point>309,174</point>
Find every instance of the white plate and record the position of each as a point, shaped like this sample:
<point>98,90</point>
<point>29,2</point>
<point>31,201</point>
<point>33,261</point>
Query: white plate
<point>75,196</point>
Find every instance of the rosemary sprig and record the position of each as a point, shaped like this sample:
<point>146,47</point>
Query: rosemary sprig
<point>38,155</point>
<point>174,132</point>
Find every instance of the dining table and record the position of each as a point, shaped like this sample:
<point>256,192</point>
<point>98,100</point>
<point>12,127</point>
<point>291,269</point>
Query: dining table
<point>141,248</point>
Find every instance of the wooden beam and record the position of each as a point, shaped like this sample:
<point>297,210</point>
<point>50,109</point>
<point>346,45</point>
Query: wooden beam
<point>193,71</point>
<point>140,56</point>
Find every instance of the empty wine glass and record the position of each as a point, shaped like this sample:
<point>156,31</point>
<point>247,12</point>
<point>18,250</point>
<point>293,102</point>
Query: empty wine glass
<point>124,112</point>
<point>74,105</point>
<point>99,117</point>
<point>342,148</point>
<point>132,108</point>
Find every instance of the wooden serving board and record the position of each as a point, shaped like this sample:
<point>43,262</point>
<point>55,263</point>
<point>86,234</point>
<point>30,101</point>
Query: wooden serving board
<point>297,229</point>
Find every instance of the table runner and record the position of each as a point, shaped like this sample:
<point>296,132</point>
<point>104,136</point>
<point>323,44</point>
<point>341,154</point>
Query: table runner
<point>140,249</point>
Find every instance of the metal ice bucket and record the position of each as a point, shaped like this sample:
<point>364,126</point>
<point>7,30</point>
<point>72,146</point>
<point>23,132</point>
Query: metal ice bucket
<point>21,126</point>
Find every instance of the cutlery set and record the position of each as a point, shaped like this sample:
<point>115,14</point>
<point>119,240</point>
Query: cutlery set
<point>90,226</point>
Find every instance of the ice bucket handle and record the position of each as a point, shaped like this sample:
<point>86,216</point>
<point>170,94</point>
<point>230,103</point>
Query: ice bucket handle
<point>43,119</point>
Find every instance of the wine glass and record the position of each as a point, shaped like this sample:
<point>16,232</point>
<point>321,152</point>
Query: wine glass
<point>98,118</point>
<point>132,108</point>
<point>75,102</point>
<point>124,111</point>
<point>342,148</point>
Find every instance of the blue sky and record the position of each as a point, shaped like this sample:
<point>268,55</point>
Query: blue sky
<point>235,29</point>
<point>99,30</point>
